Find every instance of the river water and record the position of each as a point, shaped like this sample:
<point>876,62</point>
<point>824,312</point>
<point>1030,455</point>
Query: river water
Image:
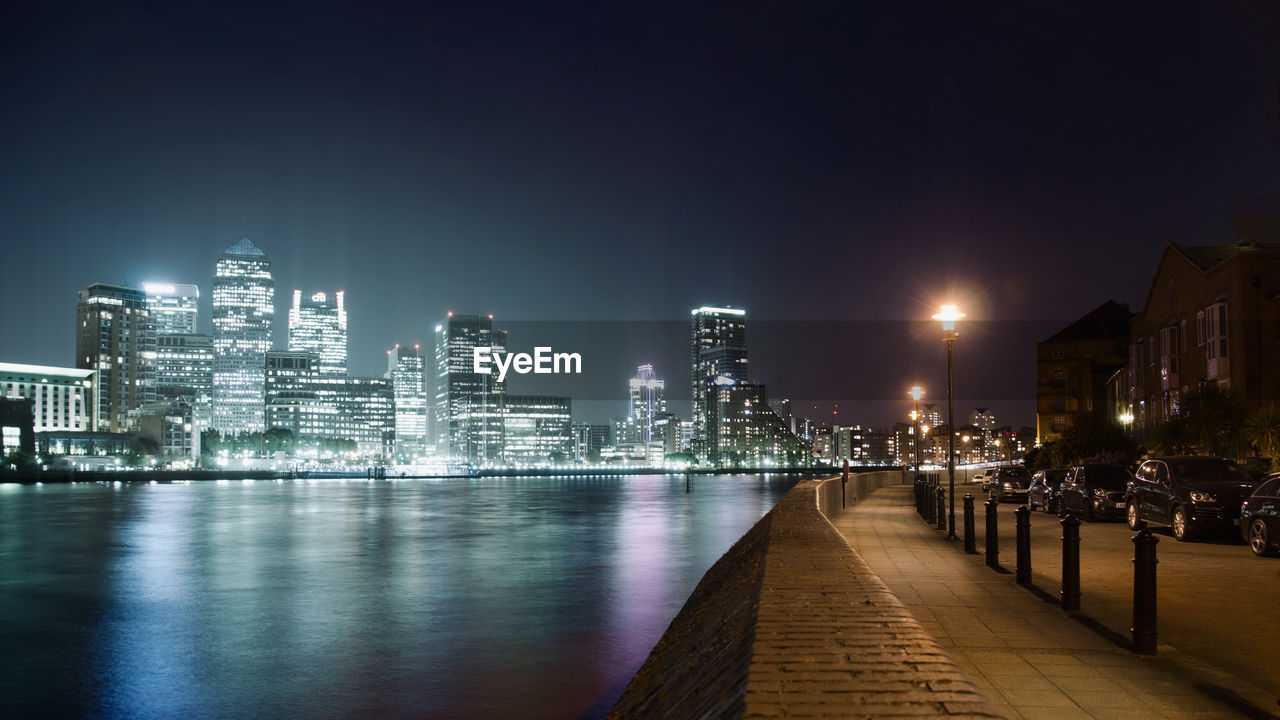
<point>485,598</point>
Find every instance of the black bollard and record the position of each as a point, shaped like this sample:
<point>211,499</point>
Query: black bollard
<point>1022,524</point>
<point>970,541</point>
<point>1144,593</point>
<point>1070,563</point>
<point>942,509</point>
<point>993,534</point>
<point>930,507</point>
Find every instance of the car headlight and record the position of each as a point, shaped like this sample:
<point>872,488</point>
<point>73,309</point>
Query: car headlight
<point>1201,496</point>
<point>1099,493</point>
<point>1008,486</point>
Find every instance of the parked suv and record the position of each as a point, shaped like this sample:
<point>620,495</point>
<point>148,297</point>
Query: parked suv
<point>1191,495</point>
<point>1095,492</point>
<point>1009,483</point>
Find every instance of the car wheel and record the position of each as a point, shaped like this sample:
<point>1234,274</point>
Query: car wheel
<point>1260,538</point>
<point>1178,524</point>
<point>1131,516</point>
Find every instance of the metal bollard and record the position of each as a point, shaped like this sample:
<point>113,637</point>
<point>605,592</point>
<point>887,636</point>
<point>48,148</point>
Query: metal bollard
<point>942,509</point>
<point>993,534</point>
<point>970,541</point>
<point>1144,593</point>
<point>1022,524</point>
<point>930,507</point>
<point>1070,563</point>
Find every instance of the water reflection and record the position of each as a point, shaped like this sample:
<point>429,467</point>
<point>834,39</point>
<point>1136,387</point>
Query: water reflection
<point>498,597</point>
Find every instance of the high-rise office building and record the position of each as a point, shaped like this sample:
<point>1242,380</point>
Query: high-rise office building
<point>407,372</point>
<point>717,349</point>
<point>319,325</point>
<point>468,424</point>
<point>536,429</point>
<point>313,405</point>
<point>184,373</point>
<point>243,311</point>
<point>174,307</point>
<point>116,337</point>
<point>647,400</point>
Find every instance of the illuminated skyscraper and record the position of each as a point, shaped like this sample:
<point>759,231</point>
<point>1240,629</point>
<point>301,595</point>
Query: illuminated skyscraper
<point>184,373</point>
<point>184,359</point>
<point>406,370</point>
<point>116,337</point>
<point>314,406</point>
<point>468,426</point>
<point>174,308</point>
<point>718,349</point>
<point>243,310</point>
<point>647,401</point>
<point>319,325</point>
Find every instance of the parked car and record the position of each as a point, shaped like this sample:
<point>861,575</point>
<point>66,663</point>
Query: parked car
<point>1009,483</point>
<point>1043,493</point>
<point>1191,495</point>
<point>1260,517</point>
<point>982,477</point>
<point>1096,492</point>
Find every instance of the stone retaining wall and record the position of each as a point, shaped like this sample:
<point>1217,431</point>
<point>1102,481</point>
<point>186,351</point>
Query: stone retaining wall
<point>791,622</point>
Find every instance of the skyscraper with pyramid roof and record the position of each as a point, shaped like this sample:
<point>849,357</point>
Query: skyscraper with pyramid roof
<point>243,311</point>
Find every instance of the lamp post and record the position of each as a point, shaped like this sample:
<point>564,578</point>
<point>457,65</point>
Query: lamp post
<point>916,393</point>
<point>949,316</point>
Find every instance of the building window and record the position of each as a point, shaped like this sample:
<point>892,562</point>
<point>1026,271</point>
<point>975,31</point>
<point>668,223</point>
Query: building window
<point>1059,378</point>
<point>1168,351</point>
<point>1216,347</point>
<point>1200,329</point>
<point>1059,423</point>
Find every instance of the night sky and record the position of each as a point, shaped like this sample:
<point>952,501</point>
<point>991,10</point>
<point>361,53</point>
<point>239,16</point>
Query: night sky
<point>845,164</point>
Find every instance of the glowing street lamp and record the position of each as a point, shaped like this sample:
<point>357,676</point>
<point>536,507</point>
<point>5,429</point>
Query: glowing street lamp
<point>949,316</point>
<point>916,393</point>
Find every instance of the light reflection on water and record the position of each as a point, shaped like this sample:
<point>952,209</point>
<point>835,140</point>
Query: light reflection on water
<point>496,597</point>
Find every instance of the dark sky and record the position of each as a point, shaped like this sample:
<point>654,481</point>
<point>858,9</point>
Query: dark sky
<point>835,162</point>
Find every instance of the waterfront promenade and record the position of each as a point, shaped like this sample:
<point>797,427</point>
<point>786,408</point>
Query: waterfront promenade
<point>1025,655</point>
<point>866,612</point>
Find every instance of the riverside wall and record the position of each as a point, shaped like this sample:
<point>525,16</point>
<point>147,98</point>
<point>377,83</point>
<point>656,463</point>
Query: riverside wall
<point>791,622</point>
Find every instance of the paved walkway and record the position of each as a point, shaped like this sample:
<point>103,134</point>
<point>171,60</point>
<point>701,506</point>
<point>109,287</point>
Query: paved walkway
<point>1030,659</point>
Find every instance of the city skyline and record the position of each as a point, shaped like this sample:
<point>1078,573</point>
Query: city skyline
<point>598,400</point>
<point>811,163</point>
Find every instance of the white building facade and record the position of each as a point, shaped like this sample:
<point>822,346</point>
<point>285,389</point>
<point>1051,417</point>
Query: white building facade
<point>63,396</point>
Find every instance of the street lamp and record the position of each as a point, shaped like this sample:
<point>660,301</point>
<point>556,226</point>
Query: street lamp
<point>949,316</point>
<point>916,393</point>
